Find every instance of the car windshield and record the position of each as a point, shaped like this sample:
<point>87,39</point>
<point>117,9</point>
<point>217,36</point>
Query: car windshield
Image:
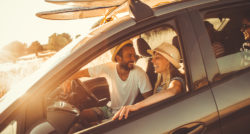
<point>29,69</point>
<point>14,90</point>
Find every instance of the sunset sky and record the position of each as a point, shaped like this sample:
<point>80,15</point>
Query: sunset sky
<point>19,23</point>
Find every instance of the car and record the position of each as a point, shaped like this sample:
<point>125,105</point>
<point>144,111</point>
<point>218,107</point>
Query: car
<point>217,95</point>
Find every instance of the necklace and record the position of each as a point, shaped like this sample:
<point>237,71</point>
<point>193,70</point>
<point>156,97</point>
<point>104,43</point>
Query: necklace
<point>166,80</point>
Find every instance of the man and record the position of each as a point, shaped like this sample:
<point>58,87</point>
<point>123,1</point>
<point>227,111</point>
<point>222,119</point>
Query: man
<point>218,47</point>
<point>245,29</point>
<point>125,81</point>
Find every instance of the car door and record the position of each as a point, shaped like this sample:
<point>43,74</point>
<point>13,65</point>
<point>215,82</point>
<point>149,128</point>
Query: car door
<point>194,111</point>
<point>228,75</point>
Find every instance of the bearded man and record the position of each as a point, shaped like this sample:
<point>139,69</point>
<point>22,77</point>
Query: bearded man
<point>125,81</point>
<point>245,29</point>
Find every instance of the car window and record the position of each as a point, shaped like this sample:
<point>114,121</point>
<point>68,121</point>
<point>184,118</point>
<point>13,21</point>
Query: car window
<point>142,42</point>
<point>104,58</point>
<point>10,129</point>
<point>224,30</point>
<point>218,23</point>
<point>154,38</point>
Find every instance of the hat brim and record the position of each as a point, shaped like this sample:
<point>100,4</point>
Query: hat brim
<point>117,49</point>
<point>175,63</point>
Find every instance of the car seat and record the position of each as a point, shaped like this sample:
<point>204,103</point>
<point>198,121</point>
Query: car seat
<point>142,48</point>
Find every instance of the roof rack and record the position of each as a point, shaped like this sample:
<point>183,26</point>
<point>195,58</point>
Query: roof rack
<point>107,8</point>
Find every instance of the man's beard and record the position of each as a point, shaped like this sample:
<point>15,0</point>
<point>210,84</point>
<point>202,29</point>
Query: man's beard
<point>246,36</point>
<point>127,66</point>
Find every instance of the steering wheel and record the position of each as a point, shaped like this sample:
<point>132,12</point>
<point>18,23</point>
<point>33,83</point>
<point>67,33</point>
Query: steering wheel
<point>86,90</point>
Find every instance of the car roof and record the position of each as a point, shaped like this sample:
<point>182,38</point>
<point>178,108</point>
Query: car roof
<point>87,9</point>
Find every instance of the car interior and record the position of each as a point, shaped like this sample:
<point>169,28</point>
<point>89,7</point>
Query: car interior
<point>63,110</point>
<point>59,112</point>
<point>226,29</point>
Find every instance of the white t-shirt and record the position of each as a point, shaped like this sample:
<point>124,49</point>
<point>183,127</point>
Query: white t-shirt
<point>122,92</point>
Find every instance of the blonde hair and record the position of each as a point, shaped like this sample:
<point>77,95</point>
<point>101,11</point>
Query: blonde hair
<point>172,72</point>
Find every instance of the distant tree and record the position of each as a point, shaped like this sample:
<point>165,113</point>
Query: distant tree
<point>58,41</point>
<point>67,36</point>
<point>35,47</point>
<point>16,48</point>
<point>45,47</point>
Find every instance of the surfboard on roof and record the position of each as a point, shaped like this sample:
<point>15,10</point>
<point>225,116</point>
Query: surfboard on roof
<point>92,8</point>
<point>88,3</point>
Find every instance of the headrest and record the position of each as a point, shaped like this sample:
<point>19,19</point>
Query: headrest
<point>175,42</point>
<point>143,47</point>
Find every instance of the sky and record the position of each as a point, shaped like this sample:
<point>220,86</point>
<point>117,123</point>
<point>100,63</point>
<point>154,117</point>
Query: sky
<point>19,23</point>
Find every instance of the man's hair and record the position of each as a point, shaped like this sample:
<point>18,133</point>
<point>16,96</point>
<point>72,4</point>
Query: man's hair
<point>120,51</point>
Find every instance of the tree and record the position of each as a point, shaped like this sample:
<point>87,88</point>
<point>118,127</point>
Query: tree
<point>35,47</point>
<point>16,48</point>
<point>58,41</point>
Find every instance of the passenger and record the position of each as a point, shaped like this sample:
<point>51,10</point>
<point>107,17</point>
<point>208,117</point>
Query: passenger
<point>218,47</point>
<point>170,82</point>
<point>125,81</point>
<point>245,29</point>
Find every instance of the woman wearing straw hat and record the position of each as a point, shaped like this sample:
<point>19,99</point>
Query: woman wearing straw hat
<point>125,80</point>
<point>166,60</point>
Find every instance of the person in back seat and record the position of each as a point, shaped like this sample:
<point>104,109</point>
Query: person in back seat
<point>245,29</point>
<point>218,47</point>
<point>170,82</point>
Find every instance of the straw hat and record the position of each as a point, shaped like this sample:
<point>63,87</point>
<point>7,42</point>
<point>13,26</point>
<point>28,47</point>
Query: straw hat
<point>170,52</point>
<point>117,48</point>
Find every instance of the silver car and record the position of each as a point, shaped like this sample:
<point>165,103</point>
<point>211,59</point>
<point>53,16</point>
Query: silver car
<point>216,99</point>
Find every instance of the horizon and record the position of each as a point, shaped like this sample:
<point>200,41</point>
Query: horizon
<point>19,23</point>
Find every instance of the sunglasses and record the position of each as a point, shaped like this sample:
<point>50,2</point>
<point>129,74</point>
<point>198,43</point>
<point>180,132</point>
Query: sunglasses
<point>244,27</point>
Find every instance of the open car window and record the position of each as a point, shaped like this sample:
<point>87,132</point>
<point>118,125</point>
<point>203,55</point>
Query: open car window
<point>11,128</point>
<point>224,29</point>
<point>218,23</point>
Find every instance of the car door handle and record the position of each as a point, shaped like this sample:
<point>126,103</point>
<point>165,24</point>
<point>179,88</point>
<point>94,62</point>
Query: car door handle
<point>190,128</point>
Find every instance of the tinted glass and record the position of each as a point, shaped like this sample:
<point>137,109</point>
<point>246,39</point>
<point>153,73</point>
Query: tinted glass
<point>230,46</point>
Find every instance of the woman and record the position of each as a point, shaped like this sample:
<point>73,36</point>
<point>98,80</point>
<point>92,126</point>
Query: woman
<point>166,60</point>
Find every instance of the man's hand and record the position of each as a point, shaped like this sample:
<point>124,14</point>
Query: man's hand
<point>66,86</point>
<point>124,112</point>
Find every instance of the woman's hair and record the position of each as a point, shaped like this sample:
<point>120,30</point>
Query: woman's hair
<point>174,72</point>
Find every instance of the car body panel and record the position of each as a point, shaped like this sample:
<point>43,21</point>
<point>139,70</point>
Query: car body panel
<point>231,91</point>
<point>215,104</point>
<point>203,110</point>
<point>166,117</point>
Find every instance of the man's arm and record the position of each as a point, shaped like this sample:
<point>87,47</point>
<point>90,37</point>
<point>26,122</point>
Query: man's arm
<point>67,84</point>
<point>79,74</point>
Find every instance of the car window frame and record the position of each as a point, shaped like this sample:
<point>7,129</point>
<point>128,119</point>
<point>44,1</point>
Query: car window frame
<point>209,58</point>
<point>19,117</point>
<point>164,20</point>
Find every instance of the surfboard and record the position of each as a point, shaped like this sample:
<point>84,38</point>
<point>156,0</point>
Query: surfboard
<point>73,13</point>
<point>87,3</point>
<point>86,12</point>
